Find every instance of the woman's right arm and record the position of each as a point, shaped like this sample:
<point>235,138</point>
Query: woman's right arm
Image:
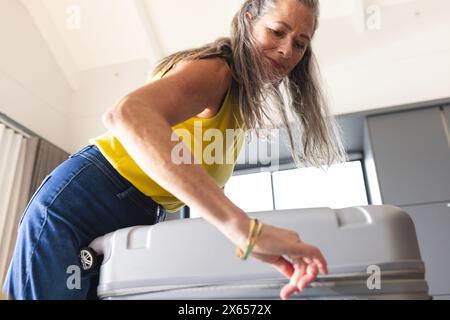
<point>142,122</point>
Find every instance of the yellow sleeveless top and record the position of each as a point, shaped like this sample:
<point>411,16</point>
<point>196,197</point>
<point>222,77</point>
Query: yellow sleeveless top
<point>207,139</point>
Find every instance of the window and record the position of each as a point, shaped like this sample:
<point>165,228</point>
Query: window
<point>342,185</point>
<point>251,192</point>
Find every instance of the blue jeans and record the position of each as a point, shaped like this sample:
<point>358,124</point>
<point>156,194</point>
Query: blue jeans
<point>82,199</point>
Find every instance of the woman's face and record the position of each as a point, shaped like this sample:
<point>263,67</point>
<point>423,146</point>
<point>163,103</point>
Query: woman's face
<point>283,34</point>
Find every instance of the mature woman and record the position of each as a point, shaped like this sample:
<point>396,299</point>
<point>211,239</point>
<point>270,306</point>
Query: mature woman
<point>137,170</point>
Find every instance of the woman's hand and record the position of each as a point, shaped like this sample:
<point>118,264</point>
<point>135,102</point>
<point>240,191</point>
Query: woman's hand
<point>303,263</point>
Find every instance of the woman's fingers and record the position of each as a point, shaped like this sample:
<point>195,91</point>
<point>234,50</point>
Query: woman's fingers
<point>322,265</point>
<point>278,241</point>
<point>314,256</point>
<point>303,275</point>
<point>301,270</point>
<point>311,255</point>
<point>292,286</point>
<point>306,261</point>
<point>309,276</point>
<point>284,266</point>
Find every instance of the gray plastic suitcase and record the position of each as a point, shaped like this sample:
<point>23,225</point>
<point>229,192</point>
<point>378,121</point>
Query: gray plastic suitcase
<point>372,253</point>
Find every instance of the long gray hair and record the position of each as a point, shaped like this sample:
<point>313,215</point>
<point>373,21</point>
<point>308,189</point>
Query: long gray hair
<point>254,98</point>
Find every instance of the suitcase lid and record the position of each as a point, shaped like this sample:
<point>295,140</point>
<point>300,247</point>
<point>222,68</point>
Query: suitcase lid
<point>355,241</point>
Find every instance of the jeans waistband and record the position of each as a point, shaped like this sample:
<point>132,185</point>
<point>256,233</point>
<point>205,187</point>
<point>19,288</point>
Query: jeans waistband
<point>92,153</point>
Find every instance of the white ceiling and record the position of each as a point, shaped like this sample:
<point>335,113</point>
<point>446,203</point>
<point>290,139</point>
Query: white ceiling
<point>118,31</point>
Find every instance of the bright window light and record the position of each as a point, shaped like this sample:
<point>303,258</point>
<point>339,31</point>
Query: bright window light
<point>342,185</point>
<point>251,192</point>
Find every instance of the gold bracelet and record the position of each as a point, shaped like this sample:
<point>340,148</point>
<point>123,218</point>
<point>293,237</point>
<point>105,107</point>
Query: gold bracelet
<point>255,229</point>
<point>257,232</point>
<point>239,252</point>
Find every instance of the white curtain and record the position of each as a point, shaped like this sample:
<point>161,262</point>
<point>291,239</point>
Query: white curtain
<point>17,156</point>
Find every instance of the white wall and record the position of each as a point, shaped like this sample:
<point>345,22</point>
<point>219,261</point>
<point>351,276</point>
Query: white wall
<point>101,89</point>
<point>35,93</point>
<point>33,90</point>
<point>365,86</point>
<point>407,60</point>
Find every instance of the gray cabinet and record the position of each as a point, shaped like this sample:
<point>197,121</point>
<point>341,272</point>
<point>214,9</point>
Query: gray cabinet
<point>410,151</point>
<point>432,224</point>
<point>443,297</point>
<point>447,118</point>
<point>411,155</point>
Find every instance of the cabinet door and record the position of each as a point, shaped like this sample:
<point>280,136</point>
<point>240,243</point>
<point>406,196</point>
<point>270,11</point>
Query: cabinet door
<point>432,224</point>
<point>412,156</point>
<point>447,117</point>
